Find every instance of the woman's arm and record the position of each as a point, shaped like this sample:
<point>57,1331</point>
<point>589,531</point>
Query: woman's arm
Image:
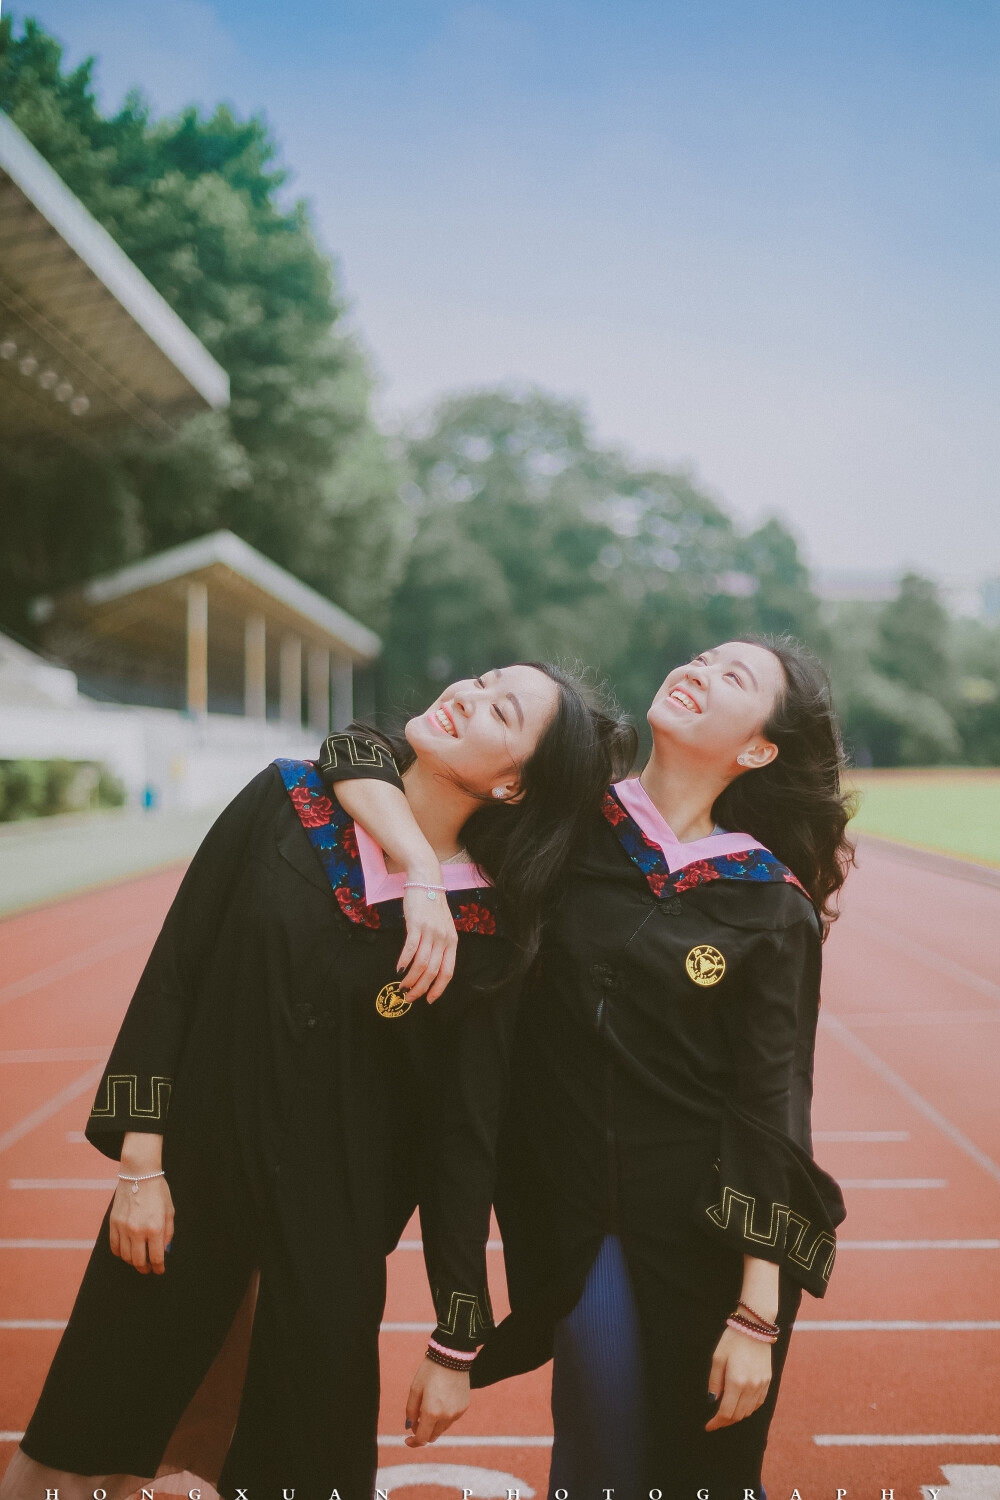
<point>370,789</point>
<point>764,1201</point>
<point>130,1113</point>
<point>461,1063</point>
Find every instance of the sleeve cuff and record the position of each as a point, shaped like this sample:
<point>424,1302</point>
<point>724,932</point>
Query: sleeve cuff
<point>464,1318</point>
<point>128,1102</point>
<point>354,757</point>
<point>767,1198</point>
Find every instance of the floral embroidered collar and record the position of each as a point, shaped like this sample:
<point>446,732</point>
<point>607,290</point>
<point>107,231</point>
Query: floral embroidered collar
<point>355,866</point>
<point>670,866</point>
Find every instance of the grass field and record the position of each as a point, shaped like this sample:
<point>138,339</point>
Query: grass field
<point>951,811</point>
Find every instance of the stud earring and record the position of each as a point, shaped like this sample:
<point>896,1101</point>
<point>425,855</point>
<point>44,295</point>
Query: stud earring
<point>741,760</point>
<point>498,791</point>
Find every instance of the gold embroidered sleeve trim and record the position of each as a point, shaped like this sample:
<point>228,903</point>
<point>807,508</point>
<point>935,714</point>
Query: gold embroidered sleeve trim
<point>808,1247</point>
<point>354,752</point>
<point>466,1316</point>
<point>110,1105</point>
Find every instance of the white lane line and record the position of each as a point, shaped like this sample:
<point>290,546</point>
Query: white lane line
<point>920,1017</point>
<point>46,1244</point>
<point>104,1183</point>
<point>918,1245</point>
<point>904,1440</point>
<point>77,1138</point>
<point>808,1325</point>
<point>893,1182</point>
<point>936,961</point>
<point>82,1085</point>
<point>917,1101</point>
<point>861,1135</point>
<point>419,1245</point>
<point>54,1054</point>
<point>132,937</point>
<point>11,1437</point>
<point>895,1325</point>
<point>32,1323</point>
<point>463,1440</point>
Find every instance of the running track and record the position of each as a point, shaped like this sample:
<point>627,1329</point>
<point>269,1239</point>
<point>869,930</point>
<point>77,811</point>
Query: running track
<point>894,1374</point>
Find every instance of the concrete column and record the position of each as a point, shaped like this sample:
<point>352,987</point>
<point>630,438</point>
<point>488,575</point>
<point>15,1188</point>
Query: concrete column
<point>291,680</point>
<point>319,691</point>
<point>255,667</point>
<point>197,648</point>
<point>343,693</point>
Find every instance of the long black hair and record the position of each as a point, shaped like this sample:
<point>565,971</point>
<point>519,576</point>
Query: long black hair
<point>796,805</point>
<point>525,846</point>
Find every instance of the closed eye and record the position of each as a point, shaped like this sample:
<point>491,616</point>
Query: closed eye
<point>496,708</point>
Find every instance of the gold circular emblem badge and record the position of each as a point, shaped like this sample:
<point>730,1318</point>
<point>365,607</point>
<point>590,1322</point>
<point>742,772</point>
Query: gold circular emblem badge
<point>705,964</point>
<point>391,1001</point>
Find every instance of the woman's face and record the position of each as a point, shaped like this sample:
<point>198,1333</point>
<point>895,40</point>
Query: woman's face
<point>481,730</point>
<point>717,704</point>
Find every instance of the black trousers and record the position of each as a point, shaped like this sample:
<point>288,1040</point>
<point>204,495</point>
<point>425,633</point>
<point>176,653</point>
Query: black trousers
<point>137,1347</point>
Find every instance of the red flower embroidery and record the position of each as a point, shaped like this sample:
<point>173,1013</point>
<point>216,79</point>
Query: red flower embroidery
<point>349,841</point>
<point>356,909</point>
<point>613,810</point>
<point>314,812</point>
<point>473,918</point>
<point>658,883</point>
<point>697,874</point>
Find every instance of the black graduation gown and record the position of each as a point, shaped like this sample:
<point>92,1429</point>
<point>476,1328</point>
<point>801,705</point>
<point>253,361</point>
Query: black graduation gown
<point>661,1090</point>
<point>301,1127</point>
<point>662,1086</point>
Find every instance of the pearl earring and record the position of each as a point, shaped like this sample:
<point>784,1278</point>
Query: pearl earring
<point>741,760</point>
<point>498,791</point>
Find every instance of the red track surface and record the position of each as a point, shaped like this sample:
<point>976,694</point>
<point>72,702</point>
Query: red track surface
<point>912,975</point>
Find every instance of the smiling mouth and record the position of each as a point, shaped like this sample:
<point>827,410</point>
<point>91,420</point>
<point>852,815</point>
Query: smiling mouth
<point>679,696</point>
<point>441,718</point>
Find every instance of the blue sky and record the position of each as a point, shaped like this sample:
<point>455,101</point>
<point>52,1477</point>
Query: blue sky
<point>756,238</point>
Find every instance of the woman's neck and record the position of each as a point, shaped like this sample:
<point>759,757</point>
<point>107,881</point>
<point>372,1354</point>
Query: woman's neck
<point>440,809</point>
<point>683,795</point>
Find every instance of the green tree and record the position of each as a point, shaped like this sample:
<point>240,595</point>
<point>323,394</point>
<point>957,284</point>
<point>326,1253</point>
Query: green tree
<point>912,644</point>
<point>296,465</point>
<point>531,540</point>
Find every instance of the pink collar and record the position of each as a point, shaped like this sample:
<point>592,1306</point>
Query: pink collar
<point>381,886</point>
<point>638,803</point>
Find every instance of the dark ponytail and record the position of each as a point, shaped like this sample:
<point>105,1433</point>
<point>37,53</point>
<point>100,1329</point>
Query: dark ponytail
<point>524,847</point>
<point>796,805</point>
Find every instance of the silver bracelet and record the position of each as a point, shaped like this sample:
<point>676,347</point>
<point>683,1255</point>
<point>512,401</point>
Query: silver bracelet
<point>427,889</point>
<point>135,1181</point>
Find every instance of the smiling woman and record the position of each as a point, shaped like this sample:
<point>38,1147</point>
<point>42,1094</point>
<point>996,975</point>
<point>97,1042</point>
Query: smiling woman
<point>281,1100</point>
<point>660,1208</point>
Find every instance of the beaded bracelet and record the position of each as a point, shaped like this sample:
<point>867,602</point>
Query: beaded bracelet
<point>752,1323</point>
<point>741,1326</point>
<point>448,1361</point>
<point>135,1181</point>
<point>428,890</point>
<point>764,1322</point>
<point>468,1354</point>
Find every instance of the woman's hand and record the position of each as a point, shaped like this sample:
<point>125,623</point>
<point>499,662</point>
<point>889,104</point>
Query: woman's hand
<point>431,941</point>
<point>741,1375</point>
<point>437,1398</point>
<point>142,1223</point>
